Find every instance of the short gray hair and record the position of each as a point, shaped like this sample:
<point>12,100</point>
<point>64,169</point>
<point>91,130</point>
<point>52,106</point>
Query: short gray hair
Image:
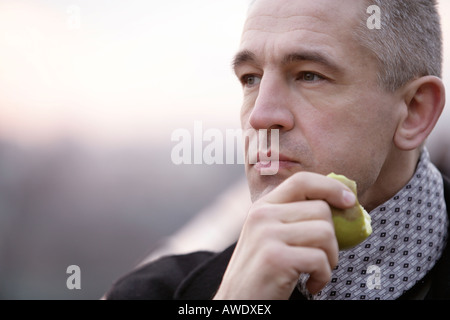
<point>409,43</point>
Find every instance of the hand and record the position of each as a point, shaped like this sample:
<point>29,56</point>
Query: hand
<point>287,232</point>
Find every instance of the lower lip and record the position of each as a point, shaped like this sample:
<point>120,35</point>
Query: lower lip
<point>281,165</point>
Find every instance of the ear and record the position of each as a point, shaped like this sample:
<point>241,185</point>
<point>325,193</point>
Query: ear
<point>424,99</point>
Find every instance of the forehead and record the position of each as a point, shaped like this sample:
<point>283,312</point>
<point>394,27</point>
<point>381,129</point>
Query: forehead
<point>335,12</point>
<point>291,23</point>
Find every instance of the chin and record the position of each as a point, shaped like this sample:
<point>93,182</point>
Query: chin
<point>260,185</point>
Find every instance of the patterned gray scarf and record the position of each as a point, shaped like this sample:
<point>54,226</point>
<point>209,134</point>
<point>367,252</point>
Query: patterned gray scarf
<point>409,234</point>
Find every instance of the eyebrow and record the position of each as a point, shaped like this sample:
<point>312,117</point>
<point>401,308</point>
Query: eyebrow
<point>243,57</point>
<point>247,56</point>
<point>312,56</point>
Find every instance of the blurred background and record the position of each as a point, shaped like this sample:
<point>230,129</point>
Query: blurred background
<point>90,93</point>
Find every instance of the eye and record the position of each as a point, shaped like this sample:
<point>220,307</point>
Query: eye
<point>250,80</point>
<point>310,77</point>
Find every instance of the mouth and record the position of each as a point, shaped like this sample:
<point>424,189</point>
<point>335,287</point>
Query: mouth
<point>266,161</point>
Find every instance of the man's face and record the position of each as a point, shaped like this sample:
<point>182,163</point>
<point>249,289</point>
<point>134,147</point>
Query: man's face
<point>304,74</point>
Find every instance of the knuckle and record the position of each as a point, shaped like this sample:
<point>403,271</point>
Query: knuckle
<point>262,225</point>
<point>323,208</point>
<point>259,213</point>
<point>317,258</point>
<point>328,243</point>
<point>299,178</point>
<point>323,231</point>
<point>328,230</point>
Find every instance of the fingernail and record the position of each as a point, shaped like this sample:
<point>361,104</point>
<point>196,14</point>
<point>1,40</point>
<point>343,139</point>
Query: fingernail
<point>349,197</point>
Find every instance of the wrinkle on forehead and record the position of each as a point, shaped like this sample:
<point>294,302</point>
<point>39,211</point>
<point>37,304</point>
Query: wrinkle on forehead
<point>270,24</point>
<point>282,16</point>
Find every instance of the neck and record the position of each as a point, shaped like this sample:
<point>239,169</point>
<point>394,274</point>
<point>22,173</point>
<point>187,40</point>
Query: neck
<point>394,175</point>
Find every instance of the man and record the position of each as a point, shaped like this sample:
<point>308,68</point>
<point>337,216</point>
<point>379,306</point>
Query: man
<point>345,98</point>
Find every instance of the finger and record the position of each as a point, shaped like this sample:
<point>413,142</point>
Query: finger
<point>314,234</point>
<point>315,263</point>
<point>303,211</point>
<point>312,186</point>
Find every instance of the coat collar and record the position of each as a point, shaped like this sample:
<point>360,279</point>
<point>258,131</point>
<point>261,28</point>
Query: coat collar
<point>203,282</point>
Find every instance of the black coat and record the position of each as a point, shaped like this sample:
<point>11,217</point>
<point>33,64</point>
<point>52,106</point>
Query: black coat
<point>197,276</point>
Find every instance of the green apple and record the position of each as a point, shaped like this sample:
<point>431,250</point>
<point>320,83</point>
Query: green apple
<point>352,226</point>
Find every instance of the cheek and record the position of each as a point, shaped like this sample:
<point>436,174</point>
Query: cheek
<point>352,139</point>
<point>368,120</point>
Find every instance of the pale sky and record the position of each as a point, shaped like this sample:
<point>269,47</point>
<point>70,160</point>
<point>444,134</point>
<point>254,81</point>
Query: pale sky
<point>109,71</point>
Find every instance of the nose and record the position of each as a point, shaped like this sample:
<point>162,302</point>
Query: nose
<point>272,106</point>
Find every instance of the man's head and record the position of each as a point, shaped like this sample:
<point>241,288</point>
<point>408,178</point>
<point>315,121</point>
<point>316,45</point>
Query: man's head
<point>345,98</point>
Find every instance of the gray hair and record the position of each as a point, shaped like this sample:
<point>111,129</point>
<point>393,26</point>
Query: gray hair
<point>409,43</point>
